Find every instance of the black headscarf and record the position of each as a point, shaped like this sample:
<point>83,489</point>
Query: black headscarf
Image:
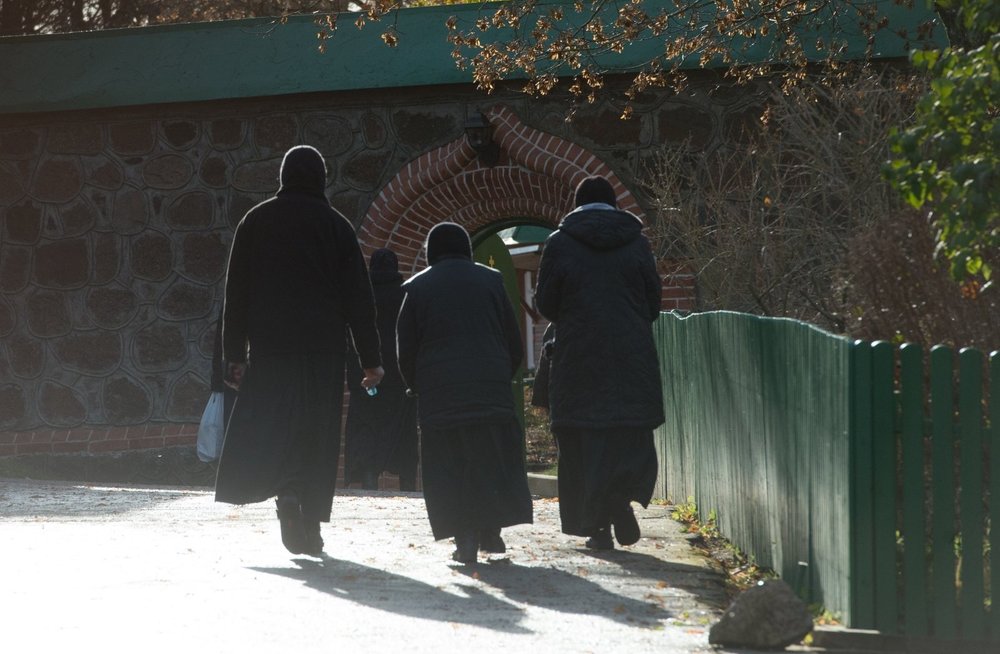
<point>303,169</point>
<point>595,189</point>
<point>383,266</point>
<point>448,240</point>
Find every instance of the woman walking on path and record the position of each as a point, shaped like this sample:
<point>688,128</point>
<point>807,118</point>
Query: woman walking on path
<point>598,283</point>
<point>296,281</point>
<point>459,346</point>
<point>381,432</point>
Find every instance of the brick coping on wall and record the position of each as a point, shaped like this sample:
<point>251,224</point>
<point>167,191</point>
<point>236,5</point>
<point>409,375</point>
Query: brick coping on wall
<point>96,439</point>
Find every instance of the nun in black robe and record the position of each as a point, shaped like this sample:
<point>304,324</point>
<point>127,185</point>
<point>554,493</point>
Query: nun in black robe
<point>296,280</point>
<point>597,281</point>
<point>381,430</point>
<point>459,346</point>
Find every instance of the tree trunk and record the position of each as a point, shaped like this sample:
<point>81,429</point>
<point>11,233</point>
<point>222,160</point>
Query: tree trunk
<point>12,17</point>
<point>75,11</point>
<point>106,12</point>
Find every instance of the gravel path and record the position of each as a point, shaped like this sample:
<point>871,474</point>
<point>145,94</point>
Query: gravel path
<point>121,569</point>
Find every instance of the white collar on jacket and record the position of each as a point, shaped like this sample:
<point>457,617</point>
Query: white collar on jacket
<point>600,206</point>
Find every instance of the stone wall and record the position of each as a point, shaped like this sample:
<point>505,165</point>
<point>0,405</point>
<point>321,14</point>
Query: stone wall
<point>115,227</point>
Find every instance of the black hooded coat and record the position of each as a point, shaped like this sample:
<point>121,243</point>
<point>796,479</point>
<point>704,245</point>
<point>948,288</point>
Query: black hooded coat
<point>296,280</point>
<point>598,282</point>
<point>381,430</point>
<point>458,340</point>
<point>459,346</point>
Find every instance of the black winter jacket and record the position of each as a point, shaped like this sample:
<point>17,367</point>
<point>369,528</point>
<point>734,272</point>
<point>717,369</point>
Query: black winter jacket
<point>296,276</point>
<point>458,344</point>
<point>597,281</point>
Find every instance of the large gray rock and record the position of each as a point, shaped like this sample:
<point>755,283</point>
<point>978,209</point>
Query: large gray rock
<point>767,616</point>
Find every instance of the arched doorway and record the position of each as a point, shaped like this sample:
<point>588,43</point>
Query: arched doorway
<point>530,183</point>
<point>514,249</point>
<point>522,240</point>
<point>534,177</point>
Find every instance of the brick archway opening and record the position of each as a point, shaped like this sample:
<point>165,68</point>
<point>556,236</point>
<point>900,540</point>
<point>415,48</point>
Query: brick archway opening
<point>532,183</point>
<point>534,179</point>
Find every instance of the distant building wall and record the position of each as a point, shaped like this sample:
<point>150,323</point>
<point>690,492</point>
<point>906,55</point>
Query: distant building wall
<point>115,225</point>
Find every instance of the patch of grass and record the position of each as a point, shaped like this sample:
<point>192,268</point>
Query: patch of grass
<point>821,616</point>
<point>741,570</point>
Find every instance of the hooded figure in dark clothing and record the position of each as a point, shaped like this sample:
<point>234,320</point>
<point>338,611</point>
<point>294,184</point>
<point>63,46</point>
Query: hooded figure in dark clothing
<point>296,281</point>
<point>459,346</point>
<point>381,431</point>
<point>598,283</point>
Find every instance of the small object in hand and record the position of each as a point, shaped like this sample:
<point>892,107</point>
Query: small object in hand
<point>234,375</point>
<point>372,391</point>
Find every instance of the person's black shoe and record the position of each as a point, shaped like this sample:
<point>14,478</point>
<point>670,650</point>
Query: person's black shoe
<point>314,541</point>
<point>466,547</point>
<point>293,532</point>
<point>626,526</point>
<point>600,541</point>
<point>490,541</point>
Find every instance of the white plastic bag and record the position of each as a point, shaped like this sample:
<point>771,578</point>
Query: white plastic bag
<point>212,429</point>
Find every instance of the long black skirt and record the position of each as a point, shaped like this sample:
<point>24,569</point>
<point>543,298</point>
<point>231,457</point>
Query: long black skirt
<point>284,432</point>
<point>599,469</point>
<point>381,434</point>
<point>474,478</point>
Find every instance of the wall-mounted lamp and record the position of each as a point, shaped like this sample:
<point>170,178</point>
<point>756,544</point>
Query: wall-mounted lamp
<point>479,132</point>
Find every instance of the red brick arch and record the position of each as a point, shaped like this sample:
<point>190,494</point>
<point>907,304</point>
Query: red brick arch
<point>534,178</point>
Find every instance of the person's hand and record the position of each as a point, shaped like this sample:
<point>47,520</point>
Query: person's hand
<point>372,377</point>
<point>234,375</point>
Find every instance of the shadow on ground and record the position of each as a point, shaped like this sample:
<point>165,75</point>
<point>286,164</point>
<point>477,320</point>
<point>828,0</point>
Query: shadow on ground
<point>708,587</point>
<point>558,590</point>
<point>403,595</point>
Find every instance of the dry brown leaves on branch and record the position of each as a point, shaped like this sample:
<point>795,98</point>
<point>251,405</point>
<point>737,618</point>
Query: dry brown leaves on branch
<point>544,43</point>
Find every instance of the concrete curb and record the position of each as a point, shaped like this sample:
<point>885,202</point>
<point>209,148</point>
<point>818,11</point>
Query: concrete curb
<point>864,641</point>
<point>543,485</point>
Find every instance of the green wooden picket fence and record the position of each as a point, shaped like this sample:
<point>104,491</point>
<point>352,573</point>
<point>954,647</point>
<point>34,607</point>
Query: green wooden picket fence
<point>860,472</point>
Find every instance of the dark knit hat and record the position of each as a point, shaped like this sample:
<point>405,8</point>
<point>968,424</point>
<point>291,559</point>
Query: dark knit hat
<point>383,266</point>
<point>448,240</point>
<point>384,260</point>
<point>595,189</point>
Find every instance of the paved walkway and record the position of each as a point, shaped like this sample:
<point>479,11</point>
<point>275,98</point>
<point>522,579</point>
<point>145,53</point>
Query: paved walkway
<point>144,569</point>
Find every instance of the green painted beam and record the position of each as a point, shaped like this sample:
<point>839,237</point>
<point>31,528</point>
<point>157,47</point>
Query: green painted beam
<point>256,57</point>
<point>217,60</point>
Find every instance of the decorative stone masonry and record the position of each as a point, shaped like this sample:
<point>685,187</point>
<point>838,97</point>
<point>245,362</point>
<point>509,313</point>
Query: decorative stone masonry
<point>95,440</point>
<point>115,226</point>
